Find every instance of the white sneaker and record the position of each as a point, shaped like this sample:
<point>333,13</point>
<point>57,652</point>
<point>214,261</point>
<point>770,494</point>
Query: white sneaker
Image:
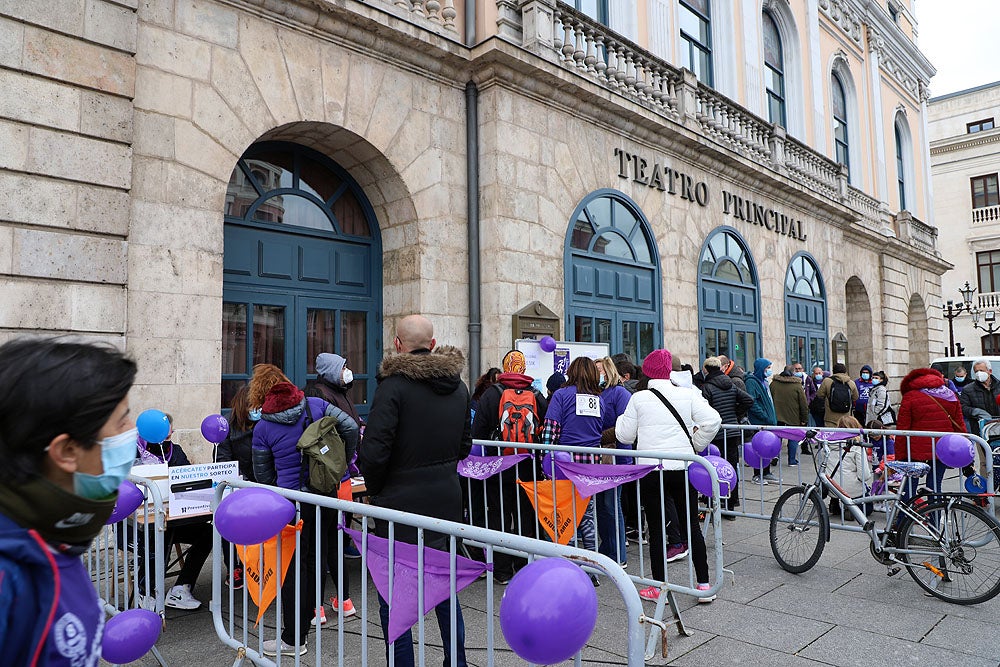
<point>180,597</point>
<point>145,602</point>
<point>271,648</point>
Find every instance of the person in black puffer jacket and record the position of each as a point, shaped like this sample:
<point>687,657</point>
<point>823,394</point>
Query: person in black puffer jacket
<point>238,445</point>
<point>732,404</point>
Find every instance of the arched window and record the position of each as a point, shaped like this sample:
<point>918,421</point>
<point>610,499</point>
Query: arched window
<point>774,70</point>
<point>841,135</point>
<point>904,162</point>
<point>805,313</point>
<point>613,270</point>
<point>728,300</point>
<point>696,38</point>
<point>301,269</point>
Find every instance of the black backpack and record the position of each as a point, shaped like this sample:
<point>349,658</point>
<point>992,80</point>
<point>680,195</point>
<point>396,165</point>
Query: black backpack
<point>840,396</point>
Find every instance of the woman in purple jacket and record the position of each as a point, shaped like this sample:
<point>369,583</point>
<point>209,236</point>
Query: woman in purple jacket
<point>276,461</point>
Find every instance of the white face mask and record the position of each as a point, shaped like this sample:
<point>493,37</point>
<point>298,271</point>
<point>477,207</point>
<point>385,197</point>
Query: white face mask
<point>348,376</point>
<point>982,376</point>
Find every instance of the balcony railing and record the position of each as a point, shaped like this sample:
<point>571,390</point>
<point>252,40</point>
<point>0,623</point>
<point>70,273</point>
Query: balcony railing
<point>437,15</point>
<point>559,33</point>
<point>989,300</point>
<point>986,214</point>
<point>916,232</point>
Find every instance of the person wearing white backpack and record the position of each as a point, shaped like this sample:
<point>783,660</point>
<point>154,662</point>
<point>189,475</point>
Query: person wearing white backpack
<point>668,418</point>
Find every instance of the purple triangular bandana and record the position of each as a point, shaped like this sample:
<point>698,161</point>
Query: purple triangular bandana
<point>591,478</point>
<point>437,571</point>
<point>481,467</point>
<point>798,434</point>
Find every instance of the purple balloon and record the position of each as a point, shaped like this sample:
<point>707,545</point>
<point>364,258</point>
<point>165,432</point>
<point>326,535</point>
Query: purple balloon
<point>548,611</point>
<point>752,458</point>
<point>215,428</point>
<point>547,465</point>
<point>713,450</point>
<point>955,451</point>
<point>702,482</point>
<point>129,635</point>
<point>252,516</point>
<point>766,444</point>
<point>547,343</point>
<point>129,498</point>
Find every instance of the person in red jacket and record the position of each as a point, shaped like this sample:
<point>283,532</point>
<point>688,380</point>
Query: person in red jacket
<point>928,405</point>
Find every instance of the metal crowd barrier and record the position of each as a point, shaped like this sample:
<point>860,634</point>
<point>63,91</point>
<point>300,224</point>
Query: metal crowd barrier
<point>122,574</point>
<point>679,576</point>
<point>234,613</point>
<point>757,498</point>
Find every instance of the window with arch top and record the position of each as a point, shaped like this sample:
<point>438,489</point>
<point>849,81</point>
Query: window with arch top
<point>774,70</point>
<point>696,38</point>
<point>724,258</point>
<point>802,278</point>
<point>606,226</point>
<point>841,135</point>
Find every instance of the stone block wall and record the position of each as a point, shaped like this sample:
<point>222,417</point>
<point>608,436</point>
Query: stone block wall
<point>66,131</point>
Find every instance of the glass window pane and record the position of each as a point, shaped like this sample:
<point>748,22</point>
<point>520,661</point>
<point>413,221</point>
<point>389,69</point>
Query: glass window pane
<point>293,210</point>
<point>603,331</point>
<point>240,194</point>
<point>354,341</point>
<point>750,353</point>
<point>641,246</point>
<point>229,389</point>
<point>839,100</point>
<point>600,212</point>
<point>234,338</point>
<point>630,341</point>
<point>724,342</point>
<point>739,344</point>
<point>772,43</point>
<point>718,245</point>
<point>726,270</point>
<point>646,339</point>
<point>269,335</point>
<point>350,216</point>
<point>583,329</point>
<point>320,330</point>
<point>272,170</point>
<point>622,218</point>
<point>582,233</point>
<point>711,349</point>
<point>613,245</point>
<point>317,179</point>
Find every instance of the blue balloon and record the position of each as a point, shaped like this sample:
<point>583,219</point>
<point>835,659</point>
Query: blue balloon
<point>153,426</point>
<point>129,635</point>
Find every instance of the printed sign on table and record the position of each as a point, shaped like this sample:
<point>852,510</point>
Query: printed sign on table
<point>193,487</point>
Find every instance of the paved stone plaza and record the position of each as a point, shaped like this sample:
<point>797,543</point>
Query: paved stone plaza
<point>844,612</point>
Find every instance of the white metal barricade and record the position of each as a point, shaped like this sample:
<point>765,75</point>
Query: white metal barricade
<point>233,612</point>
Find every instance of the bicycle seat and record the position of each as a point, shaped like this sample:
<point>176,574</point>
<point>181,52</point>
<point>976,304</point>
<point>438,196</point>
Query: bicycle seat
<point>909,468</point>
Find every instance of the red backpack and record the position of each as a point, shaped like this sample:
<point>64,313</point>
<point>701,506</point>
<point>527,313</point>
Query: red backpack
<point>518,418</point>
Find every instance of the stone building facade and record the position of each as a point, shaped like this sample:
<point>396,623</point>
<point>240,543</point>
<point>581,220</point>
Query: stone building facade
<point>215,183</point>
<point>965,155</point>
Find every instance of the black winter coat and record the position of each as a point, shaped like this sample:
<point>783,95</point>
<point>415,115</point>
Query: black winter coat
<point>731,402</point>
<point>977,397</point>
<point>238,446</point>
<point>418,430</point>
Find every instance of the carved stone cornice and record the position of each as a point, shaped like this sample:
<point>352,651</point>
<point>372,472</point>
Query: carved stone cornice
<point>876,42</point>
<point>844,16</point>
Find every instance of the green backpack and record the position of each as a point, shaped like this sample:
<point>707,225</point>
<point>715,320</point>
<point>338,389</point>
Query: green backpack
<point>323,451</point>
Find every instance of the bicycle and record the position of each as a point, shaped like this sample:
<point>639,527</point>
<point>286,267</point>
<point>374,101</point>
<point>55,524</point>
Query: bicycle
<point>949,546</point>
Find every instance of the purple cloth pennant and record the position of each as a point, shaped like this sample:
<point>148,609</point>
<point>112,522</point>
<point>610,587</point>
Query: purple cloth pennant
<point>591,478</point>
<point>403,612</point>
<point>482,467</point>
<point>797,434</point>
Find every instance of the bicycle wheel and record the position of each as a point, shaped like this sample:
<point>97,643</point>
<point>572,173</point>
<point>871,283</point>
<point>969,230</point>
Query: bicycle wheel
<point>956,556</point>
<point>799,526</point>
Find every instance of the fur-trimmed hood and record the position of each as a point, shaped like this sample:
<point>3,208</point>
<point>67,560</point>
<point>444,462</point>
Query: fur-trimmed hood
<point>441,369</point>
<point>921,378</point>
<point>789,379</point>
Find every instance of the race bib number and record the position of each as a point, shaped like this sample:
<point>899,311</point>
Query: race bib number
<point>588,405</point>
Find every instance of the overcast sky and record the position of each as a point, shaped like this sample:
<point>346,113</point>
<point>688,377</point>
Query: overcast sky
<point>960,39</point>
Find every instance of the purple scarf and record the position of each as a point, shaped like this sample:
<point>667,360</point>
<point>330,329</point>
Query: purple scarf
<point>941,392</point>
<point>149,458</point>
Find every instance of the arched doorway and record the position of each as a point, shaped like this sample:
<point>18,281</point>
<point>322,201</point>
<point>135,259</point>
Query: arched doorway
<point>917,333</point>
<point>613,270</point>
<point>728,299</point>
<point>859,324</point>
<point>302,269</point>
<point>805,314</point>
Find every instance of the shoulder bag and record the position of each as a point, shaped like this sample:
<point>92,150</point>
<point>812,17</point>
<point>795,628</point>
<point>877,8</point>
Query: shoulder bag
<point>673,411</point>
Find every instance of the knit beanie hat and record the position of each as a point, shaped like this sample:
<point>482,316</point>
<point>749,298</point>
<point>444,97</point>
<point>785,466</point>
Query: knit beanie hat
<point>657,365</point>
<point>513,362</point>
<point>282,396</point>
<point>330,367</point>
<point>555,381</point>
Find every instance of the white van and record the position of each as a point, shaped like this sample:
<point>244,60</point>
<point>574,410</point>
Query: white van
<point>948,365</point>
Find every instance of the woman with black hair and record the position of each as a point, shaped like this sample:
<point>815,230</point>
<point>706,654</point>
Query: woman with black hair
<point>63,454</point>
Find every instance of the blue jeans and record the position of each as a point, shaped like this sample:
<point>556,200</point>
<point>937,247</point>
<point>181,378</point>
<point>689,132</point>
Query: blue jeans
<point>611,524</point>
<point>403,647</point>
<point>586,535</point>
<point>793,451</point>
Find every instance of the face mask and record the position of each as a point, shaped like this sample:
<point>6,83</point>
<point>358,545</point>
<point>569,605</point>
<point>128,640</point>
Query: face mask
<point>818,376</point>
<point>866,376</point>
<point>982,376</point>
<point>800,374</point>
<point>602,380</point>
<point>255,415</point>
<point>875,382</point>
<point>768,373</point>
<point>117,454</point>
<point>959,379</point>
<point>348,376</point>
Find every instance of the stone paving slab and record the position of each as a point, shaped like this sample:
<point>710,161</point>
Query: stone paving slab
<point>726,651</point>
<point>849,647</point>
<point>764,627</point>
<point>967,636</point>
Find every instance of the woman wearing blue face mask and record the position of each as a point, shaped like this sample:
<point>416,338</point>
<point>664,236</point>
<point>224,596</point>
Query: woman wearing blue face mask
<point>63,455</point>
<point>762,410</point>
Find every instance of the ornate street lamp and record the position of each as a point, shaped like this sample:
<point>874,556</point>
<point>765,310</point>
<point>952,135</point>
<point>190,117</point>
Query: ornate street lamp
<point>951,310</point>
